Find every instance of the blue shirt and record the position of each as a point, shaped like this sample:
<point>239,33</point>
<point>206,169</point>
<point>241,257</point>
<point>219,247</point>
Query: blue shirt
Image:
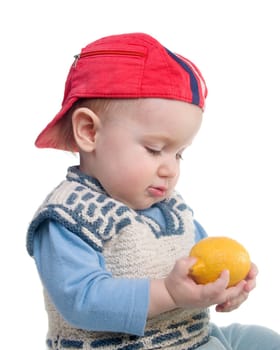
<point>81,288</point>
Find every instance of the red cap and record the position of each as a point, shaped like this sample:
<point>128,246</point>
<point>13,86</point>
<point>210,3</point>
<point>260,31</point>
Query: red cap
<point>127,66</point>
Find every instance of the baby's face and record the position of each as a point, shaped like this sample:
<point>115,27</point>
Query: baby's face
<point>139,150</point>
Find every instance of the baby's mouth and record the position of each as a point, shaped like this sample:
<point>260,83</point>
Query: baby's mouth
<point>157,191</point>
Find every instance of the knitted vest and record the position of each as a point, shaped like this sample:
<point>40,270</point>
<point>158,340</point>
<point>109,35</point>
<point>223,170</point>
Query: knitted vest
<point>134,246</point>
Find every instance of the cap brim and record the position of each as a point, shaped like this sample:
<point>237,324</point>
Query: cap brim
<point>49,136</point>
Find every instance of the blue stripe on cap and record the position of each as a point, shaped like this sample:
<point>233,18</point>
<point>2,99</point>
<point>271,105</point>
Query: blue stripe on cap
<point>193,79</point>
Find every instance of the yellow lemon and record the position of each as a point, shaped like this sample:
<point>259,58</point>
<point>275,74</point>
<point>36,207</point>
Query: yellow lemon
<point>215,254</point>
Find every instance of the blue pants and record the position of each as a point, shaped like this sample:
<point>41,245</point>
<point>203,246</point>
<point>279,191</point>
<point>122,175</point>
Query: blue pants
<point>241,337</point>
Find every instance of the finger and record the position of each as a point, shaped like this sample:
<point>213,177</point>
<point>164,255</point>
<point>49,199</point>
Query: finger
<point>249,286</point>
<point>226,307</point>
<point>253,272</point>
<point>232,296</point>
<point>232,304</point>
<point>183,266</point>
<point>222,307</point>
<point>223,279</point>
<point>239,286</point>
<point>188,263</point>
<point>215,291</point>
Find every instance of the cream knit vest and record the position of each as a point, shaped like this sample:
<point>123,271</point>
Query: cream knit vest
<point>133,246</point>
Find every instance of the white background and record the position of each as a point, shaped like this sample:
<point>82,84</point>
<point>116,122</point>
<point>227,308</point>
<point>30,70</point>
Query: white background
<point>231,173</point>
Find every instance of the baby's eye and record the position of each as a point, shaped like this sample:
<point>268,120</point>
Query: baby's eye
<point>153,151</point>
<point>179,156</point>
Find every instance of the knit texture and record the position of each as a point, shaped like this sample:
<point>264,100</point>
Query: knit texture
<point>134,246</point>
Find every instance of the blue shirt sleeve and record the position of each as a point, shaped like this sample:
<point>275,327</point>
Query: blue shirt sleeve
<point>199,231</point>
<point>81,288</point>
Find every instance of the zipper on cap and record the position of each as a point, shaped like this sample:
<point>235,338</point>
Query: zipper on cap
<point>106,52</point>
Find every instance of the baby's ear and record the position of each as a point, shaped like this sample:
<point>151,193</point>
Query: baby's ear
<point>85,128</point>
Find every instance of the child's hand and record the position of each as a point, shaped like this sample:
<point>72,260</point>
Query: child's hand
<point>248,285</point>
<point>179,290</point>
<point>186,293</point>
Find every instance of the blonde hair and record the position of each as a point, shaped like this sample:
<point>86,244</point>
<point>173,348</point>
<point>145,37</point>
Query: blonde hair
<point>100,106</point>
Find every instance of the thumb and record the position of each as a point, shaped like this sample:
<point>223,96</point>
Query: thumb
<point>183,265</point>
<point>188,263</point>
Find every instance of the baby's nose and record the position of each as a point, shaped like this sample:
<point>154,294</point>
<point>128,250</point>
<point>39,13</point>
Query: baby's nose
<point>168,167</point>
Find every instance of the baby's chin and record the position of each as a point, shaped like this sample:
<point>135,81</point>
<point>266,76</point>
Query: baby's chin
<point>138,204</point>
<point>144,205</point>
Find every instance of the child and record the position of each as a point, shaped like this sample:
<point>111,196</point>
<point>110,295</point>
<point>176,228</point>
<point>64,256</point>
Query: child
<point>111,241</point>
